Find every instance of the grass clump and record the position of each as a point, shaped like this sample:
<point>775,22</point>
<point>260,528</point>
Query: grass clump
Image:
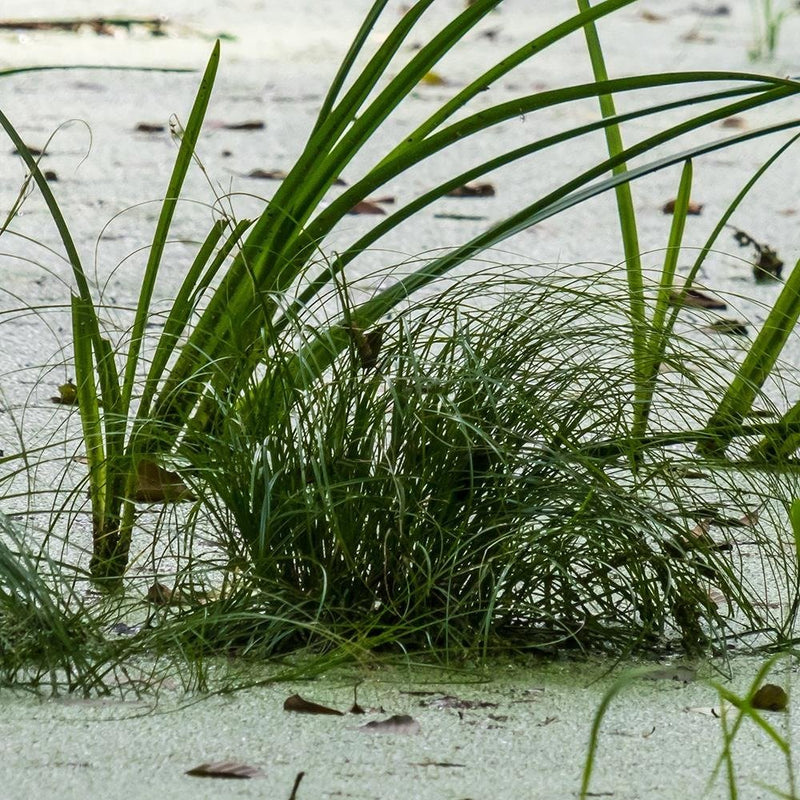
<point>467,491</point>
<point>500,466</point>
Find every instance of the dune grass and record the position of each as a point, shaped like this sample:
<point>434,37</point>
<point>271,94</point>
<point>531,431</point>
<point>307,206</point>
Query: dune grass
<point>504,466</point>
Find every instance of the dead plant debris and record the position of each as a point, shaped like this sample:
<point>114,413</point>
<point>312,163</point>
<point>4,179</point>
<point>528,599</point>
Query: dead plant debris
<point>396,724</point>
<point>299,705</point>
<point>693,209</point>
<point>692,298</point>
<point>767,265</point>
<point>225,769</point>
<point>473,190</point>
<point>770,698</point>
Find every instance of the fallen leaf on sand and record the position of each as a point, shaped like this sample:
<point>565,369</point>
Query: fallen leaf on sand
<point>154,484</point>
<point>150,127</point>
<point>366,207</point>
<point>247,125</point>
<point>731,327</point>
<point>473,190</point>
<point>737,123</point>
<point>225,769</point>
<point>694,299</point>
<point>397,723</point>
<point>267,174</point>
<point>302,706</point>
<point>693,208</point>
<point>159,595</point>
<point>770,698</point>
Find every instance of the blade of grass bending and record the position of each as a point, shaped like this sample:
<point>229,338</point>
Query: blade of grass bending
<point>714,235</point>
<point>232,296</point>
<point>49,68</point>
<point>235,296</point>
<point>386,170</point>
<point>347,63</point>
<point>325,221</point>
<point>184,303</point>
<point>594,735</point>
<point>182,162</point>
<point>756,367</point>
<point>281,212</point>
<point>297,198</point>
<point>519,56</point>
<point>570,194</point>
<point>743,706</point>
<point>654,349</point>
<point>369,312</point>
<point>630,236</point>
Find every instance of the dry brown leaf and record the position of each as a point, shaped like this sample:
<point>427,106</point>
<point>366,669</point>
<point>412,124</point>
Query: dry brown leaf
<point>34,151</point>
<point>150,127</point>
<point>460,217</point>
<point>225,769</point>
<point>366,207</point>
<point>696,36</point>
<point>693,208</point>
<point>730,327</point>
<point>695,299</point>
<point>159,594</point>
<point>267,174</point>
<point>154,484</point>
<point>368,345</point>
<point>299,705</point>
<point>248,125</point>
<point>737,123</point>
<point>722,10</point>
<point>396,724</point>
<point>473,190</point>
<point>770,698</point>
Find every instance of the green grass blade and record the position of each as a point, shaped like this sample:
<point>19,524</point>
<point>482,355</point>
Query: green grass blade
<point>193,285</point>
<point>510,62</point>
<point>755,369</point>
<point>347,63</point>
<point>83,321</point>
<point>182,162</point>
<point>658,341</point>
<point>627,223</point>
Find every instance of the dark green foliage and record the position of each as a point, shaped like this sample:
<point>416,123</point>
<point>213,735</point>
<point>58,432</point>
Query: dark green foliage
<point>453,497</point>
